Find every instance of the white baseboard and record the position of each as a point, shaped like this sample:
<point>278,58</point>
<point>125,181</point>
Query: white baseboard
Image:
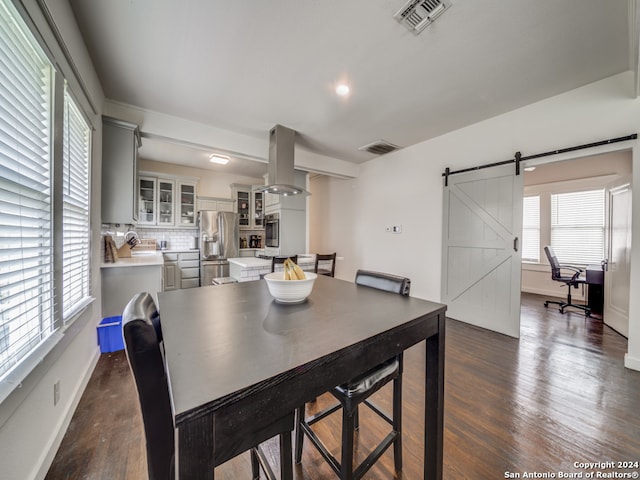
<point>562,294</point>
<point>631,363</point>
<point>56,440</point>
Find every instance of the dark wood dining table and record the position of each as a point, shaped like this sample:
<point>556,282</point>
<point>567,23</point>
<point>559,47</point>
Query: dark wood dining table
<point>237,359</point>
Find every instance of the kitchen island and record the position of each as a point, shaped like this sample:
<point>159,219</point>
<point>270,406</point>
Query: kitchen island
<point>245,269</point>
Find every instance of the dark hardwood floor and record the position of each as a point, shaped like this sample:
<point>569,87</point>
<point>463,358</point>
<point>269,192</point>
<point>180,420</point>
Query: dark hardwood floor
<point>558,395</point>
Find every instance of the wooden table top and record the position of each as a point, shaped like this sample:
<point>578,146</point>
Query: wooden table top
<point>221,341</point>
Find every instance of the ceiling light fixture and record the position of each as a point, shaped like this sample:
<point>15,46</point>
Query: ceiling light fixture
<point>529,169</point>
<point>342,89</point>
<point>221,159</point>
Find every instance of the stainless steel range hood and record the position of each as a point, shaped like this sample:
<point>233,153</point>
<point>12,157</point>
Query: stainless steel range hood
<point>280,174</point>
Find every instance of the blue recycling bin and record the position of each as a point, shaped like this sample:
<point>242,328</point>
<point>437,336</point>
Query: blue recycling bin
<point>110,334</point>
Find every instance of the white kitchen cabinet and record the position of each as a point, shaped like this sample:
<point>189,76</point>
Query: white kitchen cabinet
<point>166,202</point>
<point>257,206</point>
<point>249,205</point>
<point>147,204</point>
<point>171,272</point>
<point>120,143</point>
<point>218,204</point>
<point>186,204</point>
<point>189,265</point>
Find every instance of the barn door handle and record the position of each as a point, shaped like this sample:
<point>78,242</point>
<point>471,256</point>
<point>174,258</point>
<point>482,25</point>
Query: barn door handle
<point>515,244</point>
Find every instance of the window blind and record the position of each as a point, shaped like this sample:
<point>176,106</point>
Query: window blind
<point>577,226</point>
<point>26,278</point>
<point>75,215</point>
<point>531,229</point>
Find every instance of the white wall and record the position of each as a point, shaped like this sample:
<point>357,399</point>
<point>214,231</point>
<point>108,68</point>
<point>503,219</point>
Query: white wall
<point>31,427</point>
<point>405,187</point>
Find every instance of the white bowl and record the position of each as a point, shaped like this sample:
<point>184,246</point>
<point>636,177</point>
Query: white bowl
<point>289,291</point>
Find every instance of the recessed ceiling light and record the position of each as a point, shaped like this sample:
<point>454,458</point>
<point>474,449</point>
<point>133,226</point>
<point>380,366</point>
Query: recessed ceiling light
<point>221,159</point>
<point>342,89</point>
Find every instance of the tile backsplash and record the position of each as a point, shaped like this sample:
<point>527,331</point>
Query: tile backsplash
<point>176,238</point>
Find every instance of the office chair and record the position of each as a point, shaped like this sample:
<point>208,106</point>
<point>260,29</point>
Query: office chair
<point>357,391</point>
<point>572,280</point>
<point>280,260</point>
<point>324,269</point>
<point>145,353</point>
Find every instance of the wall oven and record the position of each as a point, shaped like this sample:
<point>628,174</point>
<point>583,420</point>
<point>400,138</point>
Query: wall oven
<point>272,230</point>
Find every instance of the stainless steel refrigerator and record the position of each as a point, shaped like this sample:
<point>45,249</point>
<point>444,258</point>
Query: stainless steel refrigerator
<point>219,240</point>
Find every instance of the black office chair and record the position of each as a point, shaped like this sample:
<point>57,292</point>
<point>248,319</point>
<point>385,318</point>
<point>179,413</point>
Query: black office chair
<point>324,269</point>
<point>280,260</point>
<point>357,391</point>
<point>140,328</point>
<point>571,280</point>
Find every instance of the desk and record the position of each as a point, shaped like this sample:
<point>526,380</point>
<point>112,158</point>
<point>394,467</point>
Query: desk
<point>237,359</point>
<point>594,278</point>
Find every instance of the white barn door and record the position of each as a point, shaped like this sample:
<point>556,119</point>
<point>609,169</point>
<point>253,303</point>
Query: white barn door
<point>481,264</point>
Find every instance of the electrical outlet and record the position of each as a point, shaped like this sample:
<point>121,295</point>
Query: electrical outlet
<point>56,393</point>
<point>396,229</point>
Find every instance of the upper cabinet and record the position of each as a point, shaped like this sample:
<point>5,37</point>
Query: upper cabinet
<point>186,204</point>
<point>249,207</point>
<point>258,209</point>
<point>120,143</point>
<point>211,203</point>
<point>166,202</point>
<point>157,201</point>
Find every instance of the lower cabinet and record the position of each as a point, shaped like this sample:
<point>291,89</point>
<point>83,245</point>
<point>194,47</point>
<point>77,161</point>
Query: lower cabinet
<point>189,265</point>
<point>170,273</point>
<point>181,270</point>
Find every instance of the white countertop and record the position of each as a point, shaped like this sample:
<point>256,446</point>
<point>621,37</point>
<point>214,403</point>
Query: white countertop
<point>253,262</point>
<point>137,260</point>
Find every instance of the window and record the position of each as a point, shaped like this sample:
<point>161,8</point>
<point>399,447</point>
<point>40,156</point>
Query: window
<point>531,229</point>
<point>577,226</point>
<point>75,215</point>
<point>33,303</point>
<point>26,278</point>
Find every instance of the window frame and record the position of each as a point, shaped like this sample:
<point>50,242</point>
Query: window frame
<point>528,228</point>
<point>545,190</point>
<point>47,352</point>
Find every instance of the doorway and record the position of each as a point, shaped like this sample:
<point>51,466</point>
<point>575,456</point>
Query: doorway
<point>606,171</point>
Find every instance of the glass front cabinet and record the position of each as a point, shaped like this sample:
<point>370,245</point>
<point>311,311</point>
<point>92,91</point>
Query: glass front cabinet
<point>249,206</point>
<point>258,210</point>
<point>243,200</point>
<point>187,202</point>
<point>148,199</point>
<point>167,203</point>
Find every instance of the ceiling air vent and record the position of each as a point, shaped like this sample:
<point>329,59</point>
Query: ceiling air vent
<point>379,147</point>
<point>416,15</point>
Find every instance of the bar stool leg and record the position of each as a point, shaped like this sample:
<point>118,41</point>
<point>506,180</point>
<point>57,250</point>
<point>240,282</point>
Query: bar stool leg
<point>300,413</point>
<point>346,460</point>
<point>286,467</point>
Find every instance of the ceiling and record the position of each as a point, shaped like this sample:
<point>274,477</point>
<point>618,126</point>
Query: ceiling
<point>246,66</point>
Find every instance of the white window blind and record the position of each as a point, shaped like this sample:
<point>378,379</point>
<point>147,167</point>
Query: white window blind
<point>577,226</point>
<point>26,279</point>
<point>531,229</point>
<point>75,215</point>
